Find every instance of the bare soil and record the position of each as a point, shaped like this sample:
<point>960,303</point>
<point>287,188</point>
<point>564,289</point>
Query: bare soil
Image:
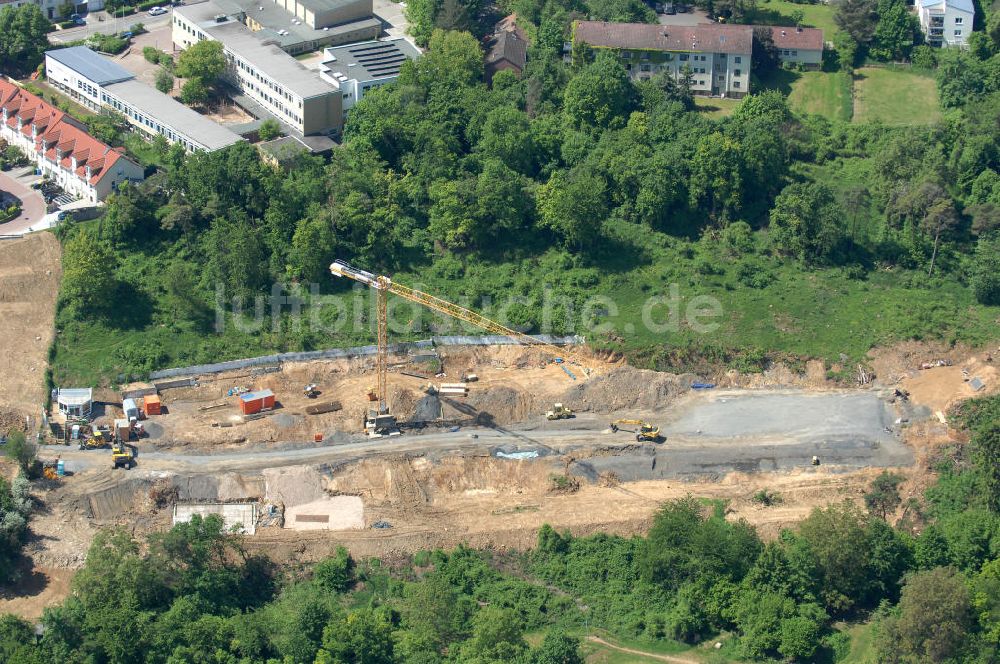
<point>30,270</point>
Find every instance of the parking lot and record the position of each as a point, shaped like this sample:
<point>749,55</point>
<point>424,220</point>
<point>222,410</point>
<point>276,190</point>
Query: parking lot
<point>692,16</point>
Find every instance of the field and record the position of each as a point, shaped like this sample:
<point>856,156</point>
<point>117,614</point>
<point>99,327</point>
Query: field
<point>822,93</point>
<point>895,97</point>
<point>779,12</point>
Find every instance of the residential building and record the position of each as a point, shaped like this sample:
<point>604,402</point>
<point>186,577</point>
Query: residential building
<point>356,68</point>
<point>99,83</point>
<point>62,149</point>
<point>946,22</point>
<point>51,8</point>
<point>803,46</point>
<point>717,57</point>
<point>258,51</point>
<point>506,48</point>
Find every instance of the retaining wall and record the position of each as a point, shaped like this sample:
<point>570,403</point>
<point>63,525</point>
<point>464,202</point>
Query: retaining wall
<point>359,351</point>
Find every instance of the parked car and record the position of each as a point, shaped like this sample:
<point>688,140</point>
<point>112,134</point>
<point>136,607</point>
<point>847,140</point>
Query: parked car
<point>157,11</point>
<point>127,35</point>
<point>670,9</point>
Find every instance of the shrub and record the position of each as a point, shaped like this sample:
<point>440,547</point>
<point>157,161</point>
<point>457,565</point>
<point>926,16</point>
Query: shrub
<point>151,54</point>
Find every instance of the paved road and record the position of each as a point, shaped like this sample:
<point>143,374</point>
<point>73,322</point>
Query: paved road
<point>32,205</point>
<point>109,25</point>
<point>709,435</point>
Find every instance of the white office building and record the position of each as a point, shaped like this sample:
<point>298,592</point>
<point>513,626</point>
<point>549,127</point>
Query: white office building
<point>99,83</point>
<point>356,68</point>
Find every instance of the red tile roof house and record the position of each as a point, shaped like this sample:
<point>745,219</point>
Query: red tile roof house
<point>718,56</point>
<point>798,45</point>
<point>79,163</point>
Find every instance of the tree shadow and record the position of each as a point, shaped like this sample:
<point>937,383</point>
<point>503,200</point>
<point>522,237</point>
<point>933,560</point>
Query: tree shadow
<point>780,80</point>
<point>129,308</point>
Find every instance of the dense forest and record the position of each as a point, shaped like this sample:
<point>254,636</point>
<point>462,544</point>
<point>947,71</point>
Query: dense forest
<point>930,588</point>
<point>569,182</point>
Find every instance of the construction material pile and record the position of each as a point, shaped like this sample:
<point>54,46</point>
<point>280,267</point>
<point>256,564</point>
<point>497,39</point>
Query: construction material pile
<point>627,388</point>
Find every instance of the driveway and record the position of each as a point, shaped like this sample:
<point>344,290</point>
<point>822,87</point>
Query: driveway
<point>32,205</point>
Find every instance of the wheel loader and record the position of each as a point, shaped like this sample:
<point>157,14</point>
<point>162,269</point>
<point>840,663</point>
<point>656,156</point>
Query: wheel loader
<point>122,457</point>
<point>644,431</point>
<point>559,412</point>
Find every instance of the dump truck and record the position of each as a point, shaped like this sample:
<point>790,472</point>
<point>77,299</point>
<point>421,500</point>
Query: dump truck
<point>559,412</point>
<point>644,431</point>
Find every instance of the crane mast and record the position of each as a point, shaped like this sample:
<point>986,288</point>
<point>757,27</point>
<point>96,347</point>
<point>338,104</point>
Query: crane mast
<point>384,285</point>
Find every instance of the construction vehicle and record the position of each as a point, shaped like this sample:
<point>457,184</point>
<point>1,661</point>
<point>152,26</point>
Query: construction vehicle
<point>122,457</point>
<point>95,442</point>
<point>559,412</point>
<point>378,419</point>
<point>310,391</point>
<point>644,431</point>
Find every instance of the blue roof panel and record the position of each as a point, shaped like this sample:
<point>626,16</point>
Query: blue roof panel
<point>90,65</point>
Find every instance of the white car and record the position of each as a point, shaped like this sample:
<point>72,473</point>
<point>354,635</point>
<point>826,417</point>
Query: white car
<point>157,11</point>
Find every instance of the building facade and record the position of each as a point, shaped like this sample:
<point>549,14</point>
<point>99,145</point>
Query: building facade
<point>802,46</point>
<point>51,8</point>
<point>99,83</point>
<point>946,22</point>
<point>716,57</point>
<point>260,67</point>
<point>61,147</point>
<point>357,68</point>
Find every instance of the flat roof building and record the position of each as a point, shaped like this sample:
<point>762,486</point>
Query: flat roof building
<point>99,83</point>
<point>356,68</point>
<point>258,39</point>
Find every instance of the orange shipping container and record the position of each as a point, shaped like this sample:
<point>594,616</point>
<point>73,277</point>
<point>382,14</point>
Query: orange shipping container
<point>254,402</point>
<point>151,404</point>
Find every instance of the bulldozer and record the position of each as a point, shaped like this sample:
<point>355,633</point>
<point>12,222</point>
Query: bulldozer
<point>95,442</point>
<point>559,412</point>
<point>122,457</point>
<point>644,431</point>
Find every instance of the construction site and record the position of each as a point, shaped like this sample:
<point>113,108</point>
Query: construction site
<point>402,448</point>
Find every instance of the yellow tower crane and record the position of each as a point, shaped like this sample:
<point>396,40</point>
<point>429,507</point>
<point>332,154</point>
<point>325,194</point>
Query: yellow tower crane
<point>384,285</point>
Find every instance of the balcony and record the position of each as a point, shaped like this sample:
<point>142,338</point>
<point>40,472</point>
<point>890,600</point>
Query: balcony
<point>937,21</point>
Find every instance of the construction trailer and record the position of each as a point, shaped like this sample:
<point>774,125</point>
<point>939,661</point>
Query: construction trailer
<point>75,402</point>
<point>123,429</point>
<point>131,409</point>
<point>151,404</point>
<point>255,402</point>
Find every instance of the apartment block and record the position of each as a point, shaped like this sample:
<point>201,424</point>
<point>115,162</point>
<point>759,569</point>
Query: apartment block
<point>99,83</point>
<point>716,56</point>
<point>946,22</point>
<point>61,147</point>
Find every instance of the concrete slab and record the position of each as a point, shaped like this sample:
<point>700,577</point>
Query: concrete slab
<point>242,516</point>
<point>335,513</point>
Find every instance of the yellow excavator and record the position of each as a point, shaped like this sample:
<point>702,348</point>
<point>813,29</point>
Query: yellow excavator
<point>121,456</point>
<point>644,431</point>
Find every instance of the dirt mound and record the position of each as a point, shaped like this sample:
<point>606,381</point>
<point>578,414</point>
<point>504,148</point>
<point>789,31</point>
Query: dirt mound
<point>11,421</point>
<point>626,388</point>
<point>502,405</point>
<point>294,485</point>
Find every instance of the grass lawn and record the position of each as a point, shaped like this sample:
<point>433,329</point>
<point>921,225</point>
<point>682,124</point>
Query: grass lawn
<point>779,12</point>
<point>823,93</point>
<point>895,97</point>
<point>861,644</point>
<point>715,107</point>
